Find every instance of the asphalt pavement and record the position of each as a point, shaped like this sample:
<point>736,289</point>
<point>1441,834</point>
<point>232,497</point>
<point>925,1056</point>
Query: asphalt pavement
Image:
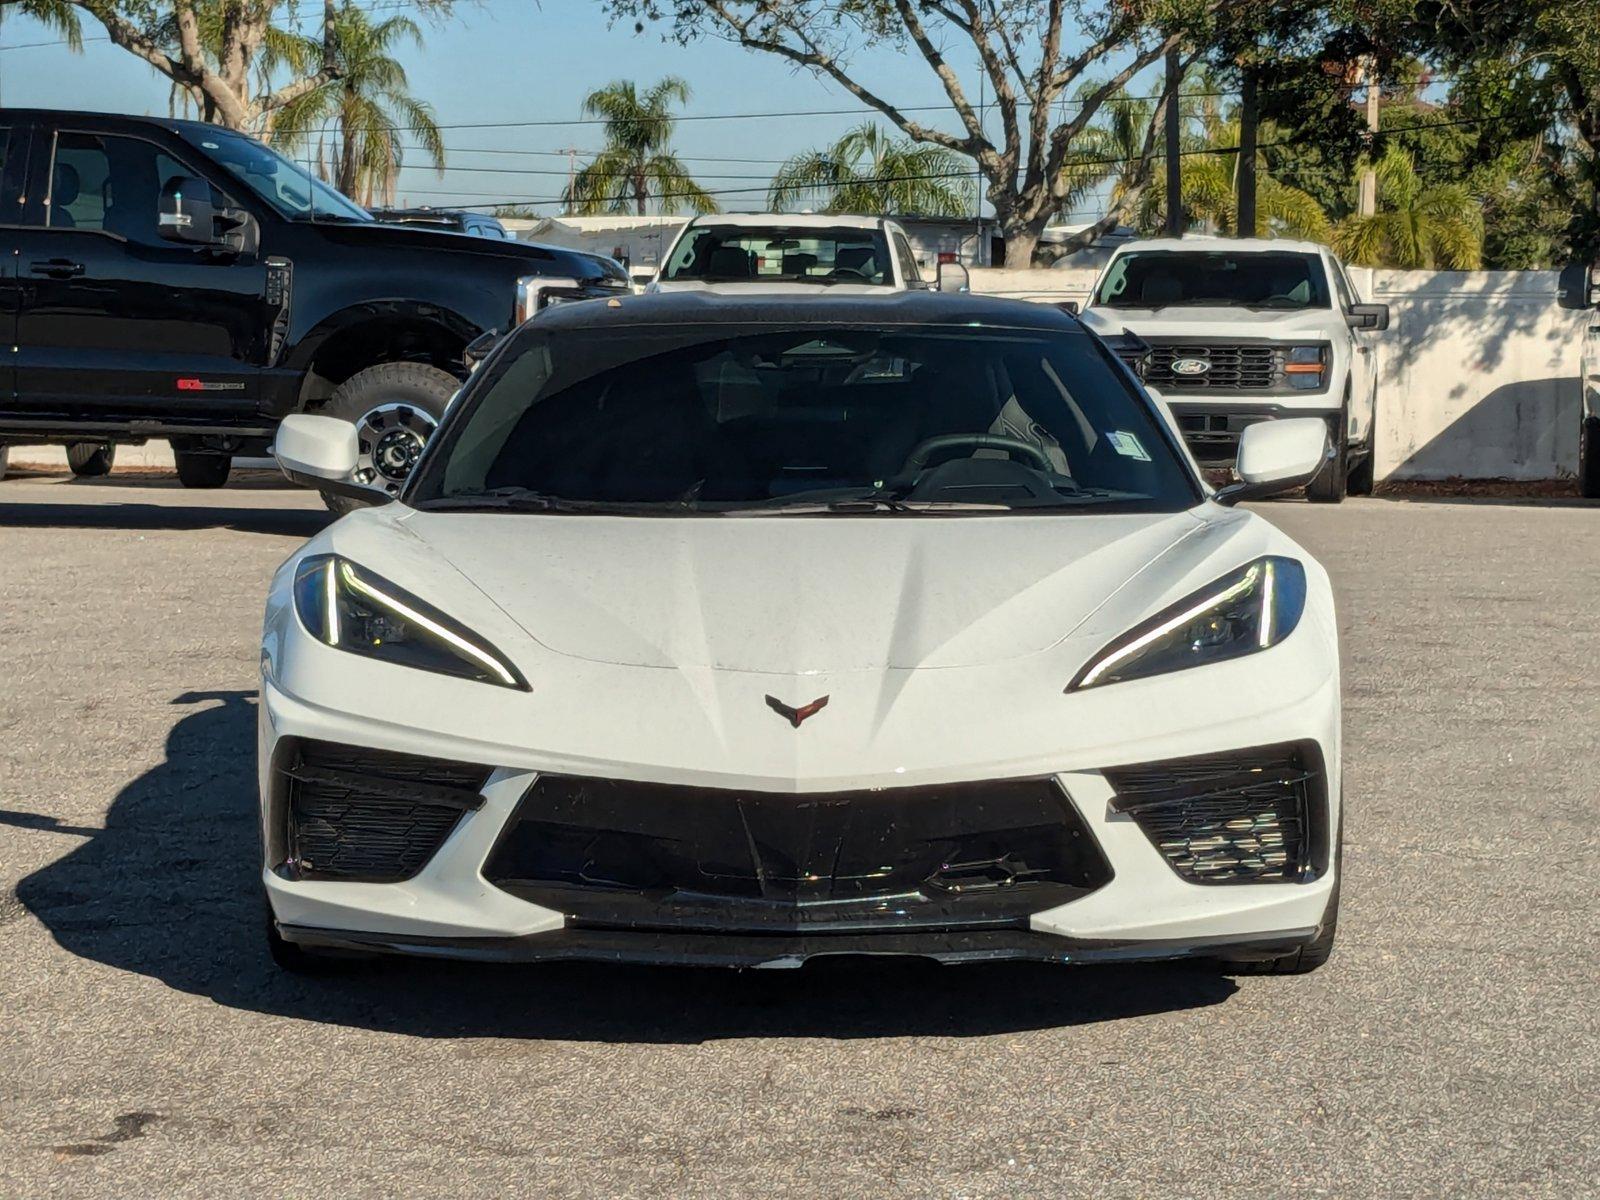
<point>148,1047</point>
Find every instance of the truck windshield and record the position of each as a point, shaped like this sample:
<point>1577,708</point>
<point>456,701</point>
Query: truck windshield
<point>292,190</point>
<point>743,253</point>
<point>1163,278</point>
<point>685,420</point>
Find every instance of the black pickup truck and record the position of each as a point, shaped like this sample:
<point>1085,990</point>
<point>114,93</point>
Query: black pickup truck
<point>171,279</point>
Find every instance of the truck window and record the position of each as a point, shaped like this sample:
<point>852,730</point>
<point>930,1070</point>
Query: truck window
<point>908,261</point>
<point>108,183</point>
<point>1261,279</point>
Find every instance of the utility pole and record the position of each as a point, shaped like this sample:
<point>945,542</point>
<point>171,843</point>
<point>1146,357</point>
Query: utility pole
<point>1249,114</point>
<point>1174,137</point>
<point>572,172</point>
<point>1368,205</point>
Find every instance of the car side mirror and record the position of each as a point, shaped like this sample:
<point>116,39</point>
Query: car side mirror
<point>952,277</point>
<point>1070,307</point>
<point>320,452</point>
<point>1368,316</point>
<point>1277,456</point>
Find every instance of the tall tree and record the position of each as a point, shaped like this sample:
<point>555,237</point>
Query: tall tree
<point>637,163</point>
<point>361,113</point>
<point>1030,56</point>
<point>220,71</point>
<point>1417,226</point>
<point>868,171</point>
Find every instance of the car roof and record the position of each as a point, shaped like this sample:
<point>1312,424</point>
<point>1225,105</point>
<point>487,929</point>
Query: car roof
<point>792,220</point>
<point>896,308</point>
<point>1203,243</point>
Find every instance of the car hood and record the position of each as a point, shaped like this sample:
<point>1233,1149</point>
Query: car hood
<point>797,594</point>
<point>1220,321</point>
<point>774,288</point>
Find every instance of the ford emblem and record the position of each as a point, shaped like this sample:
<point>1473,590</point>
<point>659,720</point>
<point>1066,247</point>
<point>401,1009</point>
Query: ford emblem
<point>1190,366</point>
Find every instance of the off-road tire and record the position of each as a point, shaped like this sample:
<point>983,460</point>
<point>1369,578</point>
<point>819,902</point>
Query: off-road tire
<point>202,470</point>
<point>1589,458</point>
<point>1330,483</point>
<point>90,460</point>
<point>427,388</point>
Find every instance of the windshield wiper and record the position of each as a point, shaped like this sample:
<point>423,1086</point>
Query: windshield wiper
<point>519,499</point>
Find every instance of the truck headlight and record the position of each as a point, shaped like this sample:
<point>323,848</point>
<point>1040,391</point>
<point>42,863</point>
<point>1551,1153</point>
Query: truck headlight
<point>1246,611</point>
<point>1305,367</point>
<point>350,608</point>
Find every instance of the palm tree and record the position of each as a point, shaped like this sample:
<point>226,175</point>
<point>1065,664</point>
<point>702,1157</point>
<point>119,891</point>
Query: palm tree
<point>636,162</point>
<point>1209,182</point>
<point>366,107</point>
<point>1416,227</point>
<point>868,172</point>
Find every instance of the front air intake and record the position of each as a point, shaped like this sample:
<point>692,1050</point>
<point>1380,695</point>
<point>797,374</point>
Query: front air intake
<point>377,816</point>
<point>1247,816</point>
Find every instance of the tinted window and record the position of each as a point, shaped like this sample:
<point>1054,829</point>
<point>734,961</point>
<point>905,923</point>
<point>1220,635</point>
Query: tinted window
<point>111,184</point>
<point>1163,278</point>
<point>292,190</point>
<point>686,420</point>
<point>729,253</point>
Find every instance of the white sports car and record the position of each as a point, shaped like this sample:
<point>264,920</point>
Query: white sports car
<point>740,630</point>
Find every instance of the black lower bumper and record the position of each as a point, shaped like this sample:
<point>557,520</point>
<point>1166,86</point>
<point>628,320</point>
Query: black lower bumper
<point>659,948</point>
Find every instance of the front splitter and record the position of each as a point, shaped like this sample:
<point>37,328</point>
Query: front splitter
<point>778,951</point>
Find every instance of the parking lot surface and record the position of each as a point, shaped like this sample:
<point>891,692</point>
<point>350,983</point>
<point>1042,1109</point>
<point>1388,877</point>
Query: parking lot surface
<point>149,1047</point>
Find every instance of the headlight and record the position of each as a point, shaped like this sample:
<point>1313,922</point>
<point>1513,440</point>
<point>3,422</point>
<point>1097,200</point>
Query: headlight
<point>1304,367</point>
<point>347,607</point>
<point>1248,610</point>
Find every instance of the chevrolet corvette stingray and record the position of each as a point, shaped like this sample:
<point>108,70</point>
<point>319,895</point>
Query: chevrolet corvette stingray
<point>743,630</point>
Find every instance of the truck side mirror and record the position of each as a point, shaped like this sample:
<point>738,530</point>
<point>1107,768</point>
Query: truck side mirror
<point>1368,316</point>
<point>1275,456</point>
<point>188,213</point>
<point>952,277</point>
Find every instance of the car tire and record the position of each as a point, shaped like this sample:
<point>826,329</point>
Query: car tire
<point>202,470</point>
<point>1330,484</point>
<point>413,395</point>
<point>1362,476</point>
<point>298,959</point>
<point>90,460</point>
<point>1589,458</point>
<point>5,459</point>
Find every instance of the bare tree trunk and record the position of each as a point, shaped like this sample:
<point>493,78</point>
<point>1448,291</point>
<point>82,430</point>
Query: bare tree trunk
<point>641,192</point>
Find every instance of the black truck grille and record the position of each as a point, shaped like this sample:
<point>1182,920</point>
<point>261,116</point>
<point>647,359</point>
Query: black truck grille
<point>1244,816</point>
<point>634,855</point>
<point>1234,366</point>
<point>373,815</point>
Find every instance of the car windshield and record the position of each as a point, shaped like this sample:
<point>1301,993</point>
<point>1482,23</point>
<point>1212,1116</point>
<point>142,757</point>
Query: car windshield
<point>773,254</point>
<point>292,191</point>
<point>1163,278</point>
<point>675,420</point>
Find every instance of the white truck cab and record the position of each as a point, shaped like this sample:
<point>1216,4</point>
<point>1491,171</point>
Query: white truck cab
<point>1246,330</point>
<point>790,252</point>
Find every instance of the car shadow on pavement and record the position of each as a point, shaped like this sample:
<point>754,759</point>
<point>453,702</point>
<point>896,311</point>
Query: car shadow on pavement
<point>168,889</point>
<point>281,522</point>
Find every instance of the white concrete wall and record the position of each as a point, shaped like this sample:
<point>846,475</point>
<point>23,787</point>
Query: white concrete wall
<point>1480,369</point>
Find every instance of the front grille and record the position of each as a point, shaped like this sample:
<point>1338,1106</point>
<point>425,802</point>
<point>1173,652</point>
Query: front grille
<point>1234,366</point>
<point>371,815</point>
<point>1244,816</point>
<point>609,853</point>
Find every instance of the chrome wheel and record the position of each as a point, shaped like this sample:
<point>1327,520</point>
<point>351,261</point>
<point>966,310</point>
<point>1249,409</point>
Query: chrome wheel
<point>389,440</point>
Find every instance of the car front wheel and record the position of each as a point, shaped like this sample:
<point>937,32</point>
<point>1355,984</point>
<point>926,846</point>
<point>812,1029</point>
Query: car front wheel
<point>1589,458</point>
<point>202,470</point>
<point>1329,485</point>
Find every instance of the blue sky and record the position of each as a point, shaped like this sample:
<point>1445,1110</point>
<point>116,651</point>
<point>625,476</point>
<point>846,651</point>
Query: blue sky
<point>513,60</point>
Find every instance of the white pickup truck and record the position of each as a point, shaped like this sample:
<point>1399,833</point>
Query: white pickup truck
<point>1241,330</point>
<point>798,253</point>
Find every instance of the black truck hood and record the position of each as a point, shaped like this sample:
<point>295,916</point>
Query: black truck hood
<point>541,260</point>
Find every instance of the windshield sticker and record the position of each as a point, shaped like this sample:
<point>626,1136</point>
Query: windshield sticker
<point>1127,445</point>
